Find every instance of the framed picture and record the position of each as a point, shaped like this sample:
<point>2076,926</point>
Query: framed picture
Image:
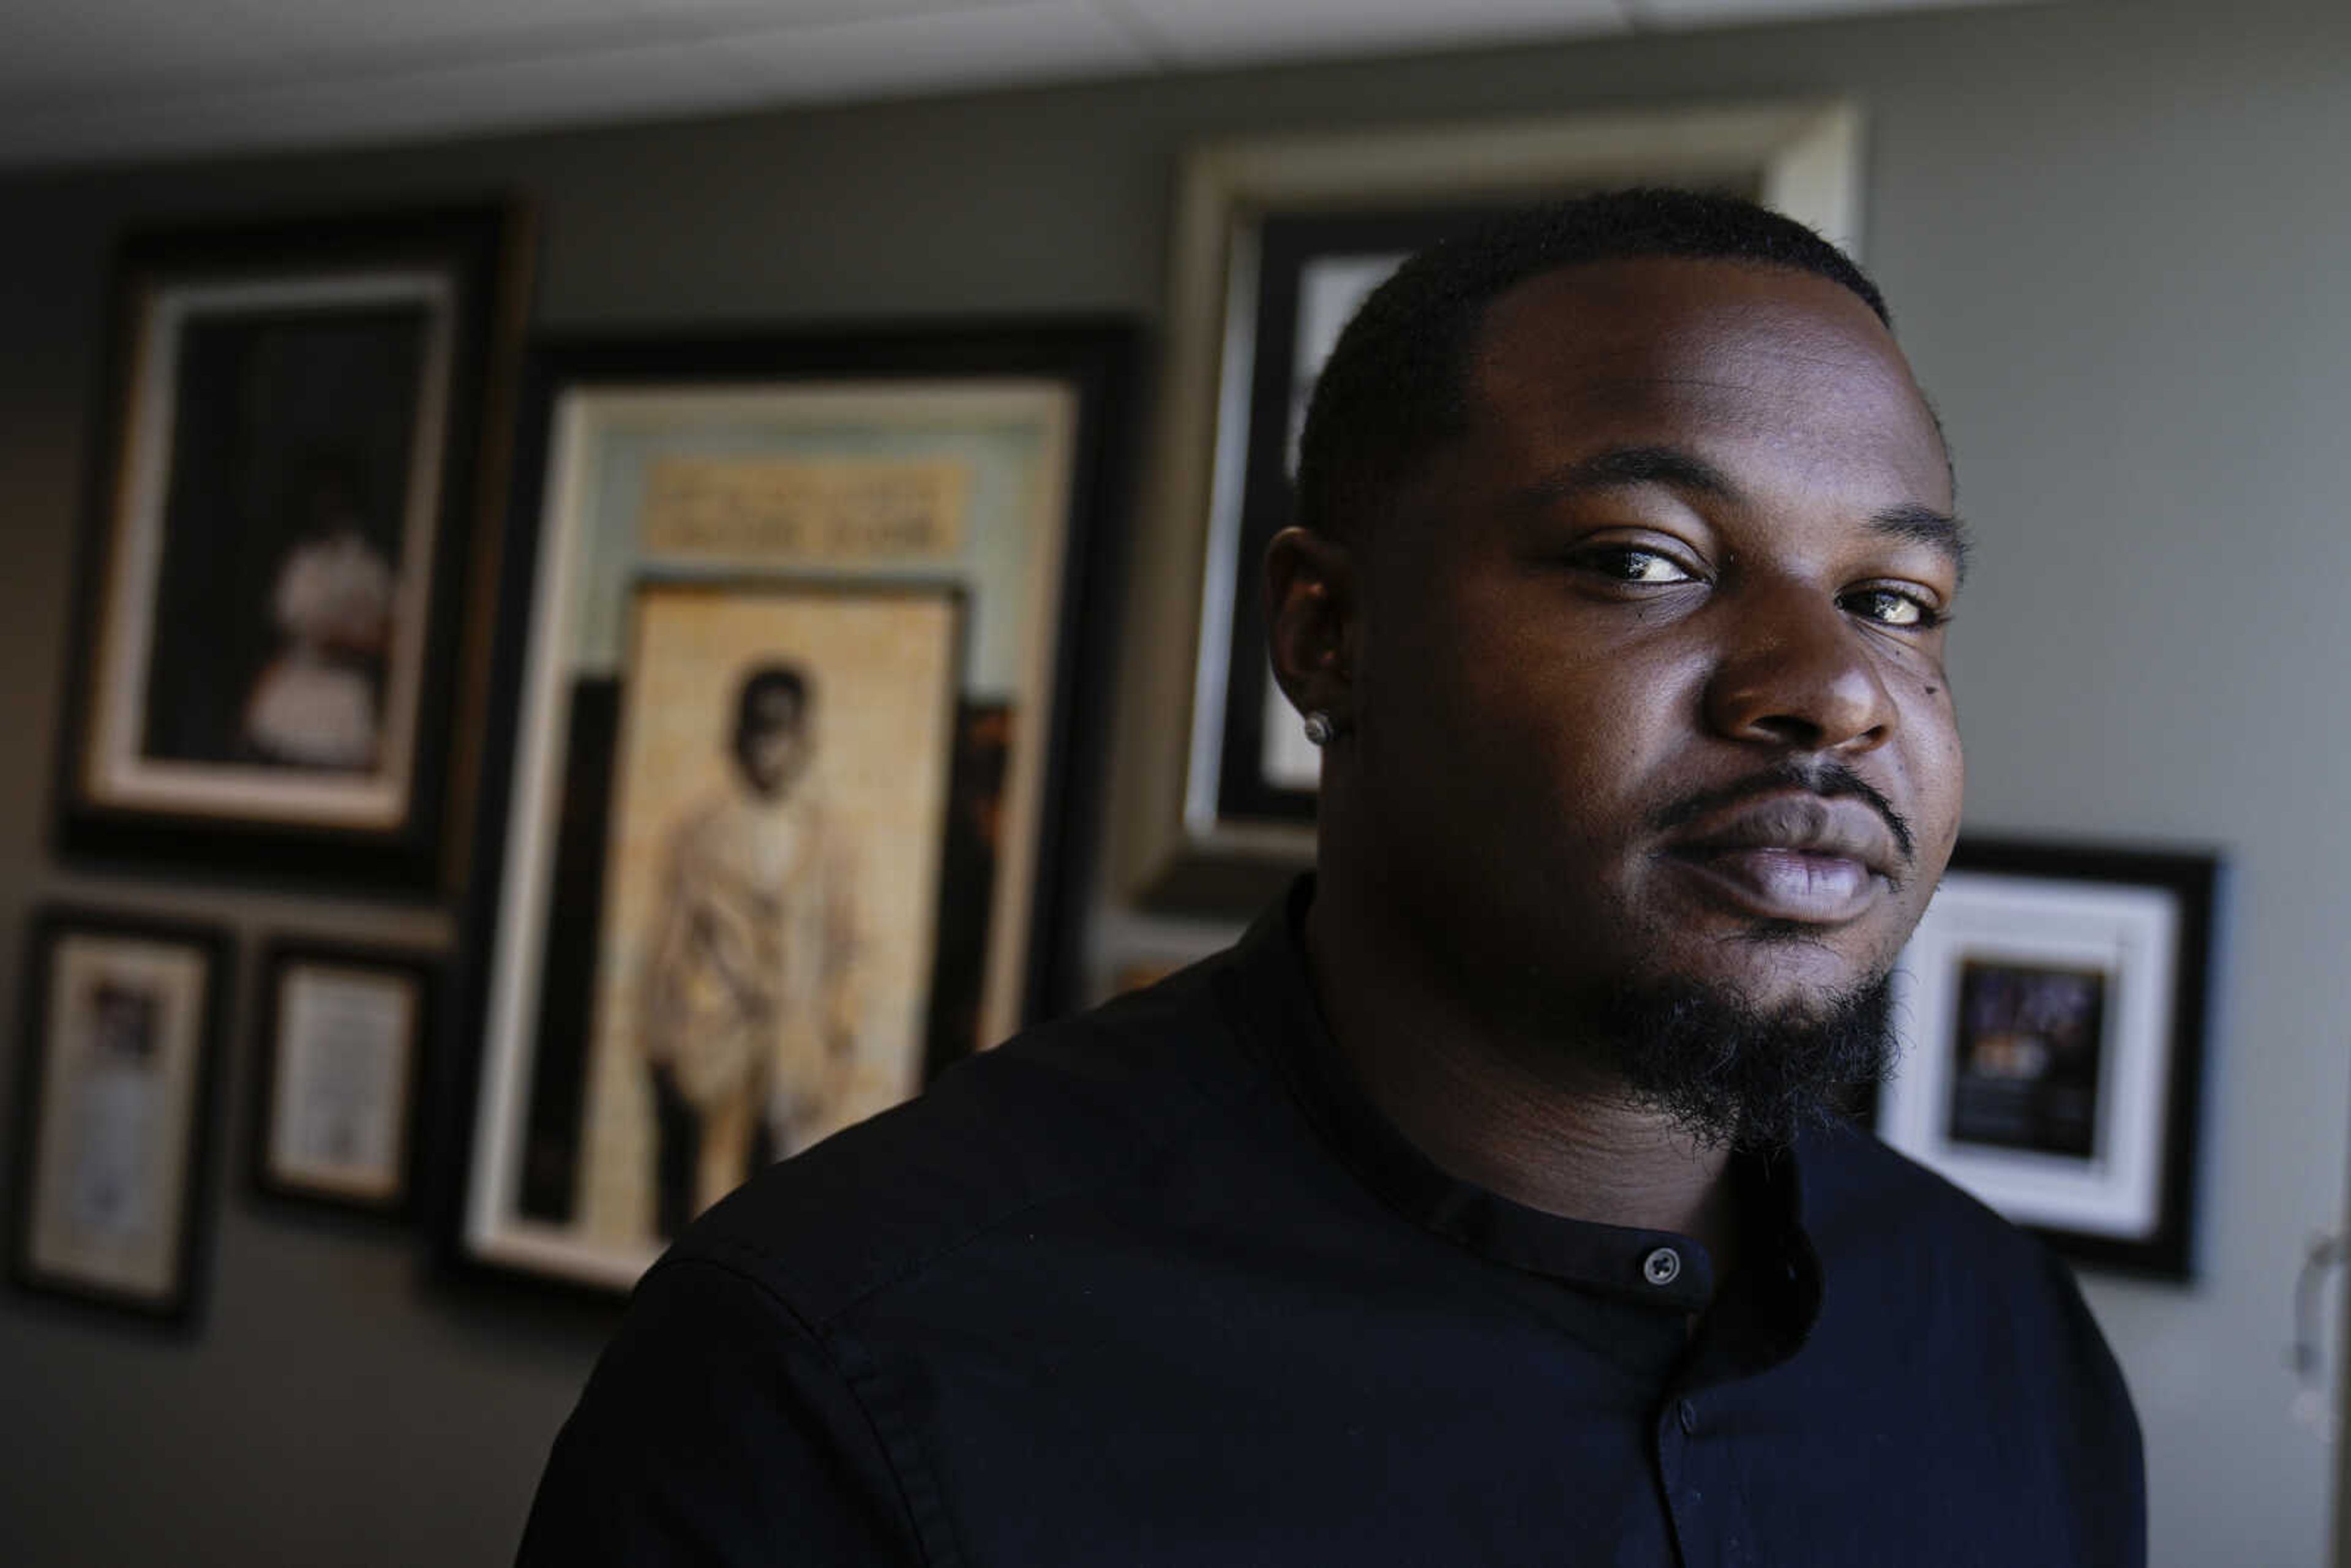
<point>796,661</point>
<point>344,1033</point>
<point>2054,1005</point>
<point>1277,242</point>
<point>289,471</point>
<point>122,1019</point>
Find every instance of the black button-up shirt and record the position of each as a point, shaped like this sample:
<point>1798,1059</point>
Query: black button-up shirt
<point>1158,1285</point>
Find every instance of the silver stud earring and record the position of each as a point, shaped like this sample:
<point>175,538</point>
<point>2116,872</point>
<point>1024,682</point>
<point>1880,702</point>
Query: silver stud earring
<point>1322,729</point>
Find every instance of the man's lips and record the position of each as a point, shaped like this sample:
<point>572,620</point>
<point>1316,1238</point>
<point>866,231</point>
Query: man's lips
<point>1792,855</point>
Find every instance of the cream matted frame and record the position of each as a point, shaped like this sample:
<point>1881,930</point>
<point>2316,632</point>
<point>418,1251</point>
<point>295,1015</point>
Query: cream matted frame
<point>344,1032</point>
<point>115,770</point>
<point>298,423</point>
<point>1176,847</point>
<point>117,1088</point>
<point>860,464</point>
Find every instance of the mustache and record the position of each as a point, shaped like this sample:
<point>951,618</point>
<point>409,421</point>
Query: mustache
<point>1826,778</point>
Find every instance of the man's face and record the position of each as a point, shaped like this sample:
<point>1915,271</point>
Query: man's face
<point>773,746</point>
<point>1648,674</point>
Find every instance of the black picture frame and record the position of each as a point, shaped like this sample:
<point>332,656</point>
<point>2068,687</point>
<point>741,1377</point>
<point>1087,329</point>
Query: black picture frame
<point>1289,243</point>
<point>415,969</point>
<point>1089,360</point>
<point>177,1299</point>
<point>2027,943</point>
<point>275,310</point>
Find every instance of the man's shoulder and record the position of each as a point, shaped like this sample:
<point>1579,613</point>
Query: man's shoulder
<point>1862,1194</point>
<point>1925,1284</point>
<point>1884,1223</point>
<point>1061,1113</point>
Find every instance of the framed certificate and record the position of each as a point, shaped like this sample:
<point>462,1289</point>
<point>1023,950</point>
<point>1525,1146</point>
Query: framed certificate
<point>122,1024</point>
<point>344,1036</point>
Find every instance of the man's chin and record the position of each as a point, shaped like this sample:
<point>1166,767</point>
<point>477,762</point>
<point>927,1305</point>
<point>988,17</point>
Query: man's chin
<point>1732,1070</point>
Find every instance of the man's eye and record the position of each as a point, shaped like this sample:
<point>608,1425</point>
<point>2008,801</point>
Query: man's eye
<point>1892,607</point>
<point>1628,565</point>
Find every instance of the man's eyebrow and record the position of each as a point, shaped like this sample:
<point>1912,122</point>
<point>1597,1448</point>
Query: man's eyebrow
<point>1621,467</point>
<point>1924,526</point>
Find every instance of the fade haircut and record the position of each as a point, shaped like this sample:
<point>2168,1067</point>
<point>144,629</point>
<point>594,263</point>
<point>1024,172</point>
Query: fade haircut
<point>1395,387</point>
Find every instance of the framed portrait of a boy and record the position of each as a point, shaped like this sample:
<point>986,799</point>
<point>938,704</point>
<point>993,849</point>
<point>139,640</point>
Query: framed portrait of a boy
<point>800,652</point>
<point>120,1054</point>
<point>344,1032</point>
<point>289,471</point>
<point>2053,1011</point>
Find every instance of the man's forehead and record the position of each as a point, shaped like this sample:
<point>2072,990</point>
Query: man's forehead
<point>1635,348</point>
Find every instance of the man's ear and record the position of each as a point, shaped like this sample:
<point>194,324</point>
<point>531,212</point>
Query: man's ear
<point>1311,611</point>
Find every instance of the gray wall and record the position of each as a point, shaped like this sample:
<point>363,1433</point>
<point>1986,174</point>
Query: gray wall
<point>2114,240</point>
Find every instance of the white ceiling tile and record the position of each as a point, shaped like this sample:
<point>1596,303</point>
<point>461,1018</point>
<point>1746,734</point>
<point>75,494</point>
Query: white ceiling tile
<point>1728,13</point>
<point>1002,40</point>
<point>52,44</point>
<point>60,48</point>
<point>369,25</point>
<point>719,59</point>
<point>1231,32</point>
<point>1034,40</point>
<point>82,80</point>
<point>649,81</point>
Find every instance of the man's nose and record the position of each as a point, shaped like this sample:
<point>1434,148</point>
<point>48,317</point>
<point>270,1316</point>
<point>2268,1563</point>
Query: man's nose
<point>1796,674</point>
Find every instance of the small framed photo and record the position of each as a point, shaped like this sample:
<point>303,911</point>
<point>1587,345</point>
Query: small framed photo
<point>2053,1007</point>
<point>344,1033</point>
<point>292,453</point>
<point>122,1022</point>
<point>1277,242</point>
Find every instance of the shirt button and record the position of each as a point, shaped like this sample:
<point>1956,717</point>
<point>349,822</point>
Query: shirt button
<point>1662,1267</point>
<point>1687,1414</point>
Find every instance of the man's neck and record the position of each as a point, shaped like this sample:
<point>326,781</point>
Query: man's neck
<point>1538,1122</point>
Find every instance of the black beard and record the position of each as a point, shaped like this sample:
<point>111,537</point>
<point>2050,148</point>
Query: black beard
<point>1728,1071</point>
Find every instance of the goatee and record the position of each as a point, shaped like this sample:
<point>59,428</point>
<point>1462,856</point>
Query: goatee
<point>1728,1071</point>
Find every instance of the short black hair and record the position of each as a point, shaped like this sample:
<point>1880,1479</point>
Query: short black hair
<point>1396,384</point>
<point>760,682</point>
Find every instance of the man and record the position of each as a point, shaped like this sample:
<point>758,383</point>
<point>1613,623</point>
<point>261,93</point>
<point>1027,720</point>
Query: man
<point>1485,1205</point>
<point>748,1025</point>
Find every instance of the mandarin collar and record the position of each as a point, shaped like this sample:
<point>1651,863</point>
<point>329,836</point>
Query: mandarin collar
<point>1654,1268</point>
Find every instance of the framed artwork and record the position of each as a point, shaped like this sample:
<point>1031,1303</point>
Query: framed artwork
<point>288,472</point>
<point>802,640</point>
<point>344,1033</point>
<point>2054,1006</point>
<point>122,1019</point>
<point>1277,242</point>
